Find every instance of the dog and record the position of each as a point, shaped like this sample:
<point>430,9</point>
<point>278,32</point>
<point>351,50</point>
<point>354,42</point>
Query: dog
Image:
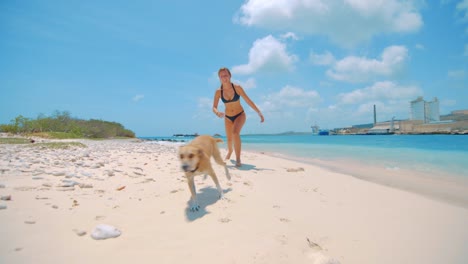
<point>195,158</point>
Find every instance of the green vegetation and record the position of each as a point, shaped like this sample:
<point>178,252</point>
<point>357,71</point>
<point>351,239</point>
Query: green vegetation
<point>15,141</point>
<point>58,145</point>
<point>61,125</point>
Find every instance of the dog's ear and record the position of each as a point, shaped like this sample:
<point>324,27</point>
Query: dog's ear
<point>200,152</point>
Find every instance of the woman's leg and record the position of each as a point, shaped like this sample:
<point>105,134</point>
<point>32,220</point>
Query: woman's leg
<point>228,125</point>
<point>236,129</point>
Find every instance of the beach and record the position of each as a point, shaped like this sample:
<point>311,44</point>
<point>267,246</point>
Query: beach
<point>275,210</point>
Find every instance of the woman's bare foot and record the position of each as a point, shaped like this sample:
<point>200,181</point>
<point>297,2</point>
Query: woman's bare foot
<point>228,156</point>
<point>238,163</point>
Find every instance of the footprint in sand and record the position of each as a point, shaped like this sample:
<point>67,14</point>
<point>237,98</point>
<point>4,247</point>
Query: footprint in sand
<point>224,220</point>
<point>79,232</point>
<point>283,239</point>
<point>294,169</point>
<point>99,217</point>
<point>317,256</point>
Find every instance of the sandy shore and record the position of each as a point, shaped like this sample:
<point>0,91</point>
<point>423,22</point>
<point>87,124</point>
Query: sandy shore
<point>275,211</point>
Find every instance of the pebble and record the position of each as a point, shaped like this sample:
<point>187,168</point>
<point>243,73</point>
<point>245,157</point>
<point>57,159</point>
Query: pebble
<point>2,206</point>
<point>65,189</point>
<point>103,231</point>
<point>68,183</point>
<point>86,174</point>
<point>5,198</point>
<point>84,185</point>
<point>79,232</point>
<point>2,186</point>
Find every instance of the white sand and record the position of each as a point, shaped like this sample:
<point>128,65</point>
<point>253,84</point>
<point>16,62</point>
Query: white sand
<point>275,211</point>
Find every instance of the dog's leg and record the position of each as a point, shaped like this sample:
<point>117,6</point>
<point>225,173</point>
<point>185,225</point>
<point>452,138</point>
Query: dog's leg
<point>217,157</point>
<point>228,176</point>
<point>215,179</point>
<point>193,204</point>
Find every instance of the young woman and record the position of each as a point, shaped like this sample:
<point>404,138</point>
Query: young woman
<point>234,115</point>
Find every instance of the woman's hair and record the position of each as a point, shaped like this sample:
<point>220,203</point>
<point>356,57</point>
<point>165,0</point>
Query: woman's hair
<point>224,69</point>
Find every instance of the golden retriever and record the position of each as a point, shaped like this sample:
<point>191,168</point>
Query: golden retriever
<point>195,158</point>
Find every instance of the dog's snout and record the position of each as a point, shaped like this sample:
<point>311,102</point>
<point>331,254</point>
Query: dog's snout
<point>185,167</point>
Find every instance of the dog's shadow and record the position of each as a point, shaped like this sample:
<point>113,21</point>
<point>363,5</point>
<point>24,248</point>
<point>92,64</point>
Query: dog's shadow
<point>206,197</point>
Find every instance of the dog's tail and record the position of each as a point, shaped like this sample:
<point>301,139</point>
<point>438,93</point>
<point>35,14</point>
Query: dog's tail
<point>218,140</point>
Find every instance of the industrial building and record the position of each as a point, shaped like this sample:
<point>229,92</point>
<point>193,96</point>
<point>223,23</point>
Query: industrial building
<point>428,112</point>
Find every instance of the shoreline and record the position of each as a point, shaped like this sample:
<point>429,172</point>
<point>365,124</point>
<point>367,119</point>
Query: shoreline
<point>275,210</point>
<point>452,189</point>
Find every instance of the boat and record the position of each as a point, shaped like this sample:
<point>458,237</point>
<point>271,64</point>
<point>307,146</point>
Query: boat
<point>323,132</point>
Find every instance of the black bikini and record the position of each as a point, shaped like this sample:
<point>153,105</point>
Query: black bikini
<point>234,99</point>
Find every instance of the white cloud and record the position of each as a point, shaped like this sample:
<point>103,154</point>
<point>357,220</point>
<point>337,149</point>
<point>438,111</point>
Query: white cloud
<point>345,22</point>
<point>289,35</point>
<point>288,99</point>
<point>391,99</point>
<point>267,54</point>
<point>380,91</point>
<point>420,46</point>
<point>358,69</point>
<point>250,83</point>
<point>462,7</point>
<point>138,97</point>
<point>457,74</point>
<point>205,103</point>
<point>322,59</point>
<point>448,102</point>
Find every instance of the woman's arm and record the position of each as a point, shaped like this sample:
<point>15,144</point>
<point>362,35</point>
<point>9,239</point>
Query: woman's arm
<point>215,103</point>
<point>242,93</point>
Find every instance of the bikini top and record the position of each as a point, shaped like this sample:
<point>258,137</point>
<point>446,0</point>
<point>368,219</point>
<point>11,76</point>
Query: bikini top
<point>234,99</point>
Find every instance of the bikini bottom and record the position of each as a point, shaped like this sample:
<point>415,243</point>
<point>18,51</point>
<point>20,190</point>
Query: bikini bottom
<point>233,118</point>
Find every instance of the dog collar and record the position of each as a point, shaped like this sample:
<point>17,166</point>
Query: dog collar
<point>193,171</point>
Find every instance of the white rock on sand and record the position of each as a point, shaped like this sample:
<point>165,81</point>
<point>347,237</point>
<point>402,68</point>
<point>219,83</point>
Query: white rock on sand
<point>103,231</point>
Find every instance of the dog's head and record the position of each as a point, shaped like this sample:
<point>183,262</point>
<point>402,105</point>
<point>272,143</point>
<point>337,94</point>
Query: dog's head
<point>189,158</point>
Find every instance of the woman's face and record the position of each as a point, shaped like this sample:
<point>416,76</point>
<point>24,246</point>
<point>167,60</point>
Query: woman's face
<point>224,76</point>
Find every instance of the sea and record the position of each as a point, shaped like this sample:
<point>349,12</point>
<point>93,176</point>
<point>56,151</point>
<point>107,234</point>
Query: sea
<point>395,160</point>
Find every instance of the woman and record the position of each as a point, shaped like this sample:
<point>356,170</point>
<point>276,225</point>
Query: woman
<point>234,115</point>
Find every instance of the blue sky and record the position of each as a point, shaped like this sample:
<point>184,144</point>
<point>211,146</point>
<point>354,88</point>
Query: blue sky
<point>152,65</point>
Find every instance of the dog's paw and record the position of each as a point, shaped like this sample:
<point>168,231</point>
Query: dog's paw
<point>221,196</point>
<point>194,208</point>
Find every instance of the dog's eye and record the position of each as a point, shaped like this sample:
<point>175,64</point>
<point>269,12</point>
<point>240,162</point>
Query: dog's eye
<point>181,156</point>
<point>191,156</point>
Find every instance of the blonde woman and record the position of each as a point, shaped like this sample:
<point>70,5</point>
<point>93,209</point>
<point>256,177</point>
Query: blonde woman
<point>234,115</point>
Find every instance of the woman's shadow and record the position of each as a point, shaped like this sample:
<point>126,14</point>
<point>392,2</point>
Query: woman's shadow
<point>246,167</point>
<point>206,197</point>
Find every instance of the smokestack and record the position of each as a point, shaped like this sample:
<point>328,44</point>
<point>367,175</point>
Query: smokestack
<point>375,116</point>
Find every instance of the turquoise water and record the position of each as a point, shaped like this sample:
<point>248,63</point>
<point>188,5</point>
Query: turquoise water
<point>434,154</point>
<point>425,153</point>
